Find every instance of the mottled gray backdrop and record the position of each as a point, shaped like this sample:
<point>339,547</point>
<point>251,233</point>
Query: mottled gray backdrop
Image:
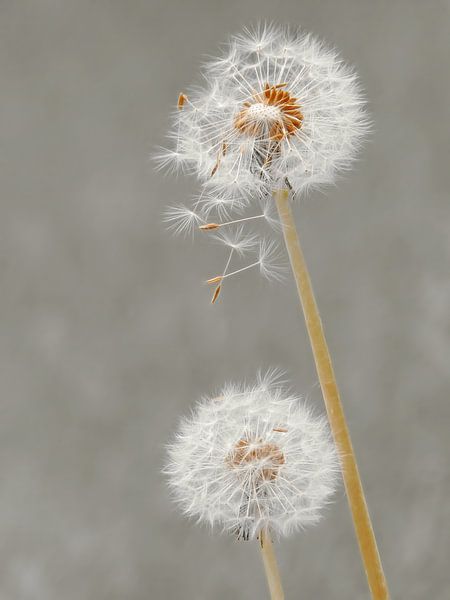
<point>107,335</point>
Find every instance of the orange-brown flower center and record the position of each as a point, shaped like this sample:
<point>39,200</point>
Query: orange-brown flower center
<point>265,456</point>
<point>272,113</point>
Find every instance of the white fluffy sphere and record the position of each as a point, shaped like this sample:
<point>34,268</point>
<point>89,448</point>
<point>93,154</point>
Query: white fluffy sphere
<point>253,458</point>
<point>277,108</point>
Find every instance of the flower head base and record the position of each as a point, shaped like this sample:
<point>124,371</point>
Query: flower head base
<point>251,458</point>
<point>263,457</point>
<point>272,113</point>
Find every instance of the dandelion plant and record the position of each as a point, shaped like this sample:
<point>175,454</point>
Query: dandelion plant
<point>256,462</point>
<point>278,114</point>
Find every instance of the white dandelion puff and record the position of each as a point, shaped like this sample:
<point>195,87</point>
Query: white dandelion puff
<point>278,105</point>
<point>277,110</point>
<point>253,458</point>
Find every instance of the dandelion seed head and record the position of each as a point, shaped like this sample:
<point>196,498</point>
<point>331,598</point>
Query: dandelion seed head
<point>277,109</point>
<point>283,104</point>
<point>253,457</point>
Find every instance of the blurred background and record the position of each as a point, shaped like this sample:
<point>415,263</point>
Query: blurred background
<point>108,337</point>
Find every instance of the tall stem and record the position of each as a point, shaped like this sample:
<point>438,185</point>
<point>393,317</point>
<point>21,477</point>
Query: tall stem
<point>360,514</point>
<point>270,566</point>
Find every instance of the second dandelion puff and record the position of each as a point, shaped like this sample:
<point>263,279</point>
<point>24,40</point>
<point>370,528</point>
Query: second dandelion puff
<point>251,459</point>
<point>254,461</point>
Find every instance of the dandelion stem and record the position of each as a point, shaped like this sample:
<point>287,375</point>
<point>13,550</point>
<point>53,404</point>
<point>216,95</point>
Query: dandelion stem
<point>355,493</point>
<point>270,566</point>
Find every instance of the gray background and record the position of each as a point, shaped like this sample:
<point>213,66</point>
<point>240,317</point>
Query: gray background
<point>107,335</point>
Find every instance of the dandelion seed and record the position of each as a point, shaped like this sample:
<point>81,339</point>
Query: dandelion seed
<point>267,263</point>
<point>210,226</point>
<point>181,100</point>
<point>222,277</point>
<point>215,279</point>
<point>216,294</point>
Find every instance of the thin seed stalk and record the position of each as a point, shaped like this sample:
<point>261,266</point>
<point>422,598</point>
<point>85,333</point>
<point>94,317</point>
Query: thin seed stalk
<point>353,486</point>
<point>270,566</point>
